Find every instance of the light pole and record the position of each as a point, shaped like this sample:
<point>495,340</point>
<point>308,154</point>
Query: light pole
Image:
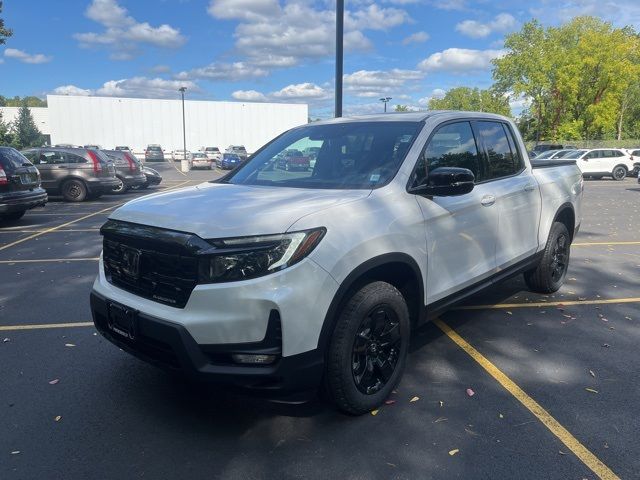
<point>184,165</point>
<point>385,100</point>
<point>339,55</point>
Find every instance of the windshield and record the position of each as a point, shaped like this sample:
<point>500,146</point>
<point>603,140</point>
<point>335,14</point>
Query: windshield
<point>355,155</point>
<point>574,154</point>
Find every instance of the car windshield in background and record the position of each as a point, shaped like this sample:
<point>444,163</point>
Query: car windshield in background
<point>355,155</point>
<point>575,154</point>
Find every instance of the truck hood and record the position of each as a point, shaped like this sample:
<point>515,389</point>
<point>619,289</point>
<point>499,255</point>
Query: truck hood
<point>214,210</point>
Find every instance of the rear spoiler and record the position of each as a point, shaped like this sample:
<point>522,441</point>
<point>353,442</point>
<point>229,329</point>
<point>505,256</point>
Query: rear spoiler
<point>555,162</point>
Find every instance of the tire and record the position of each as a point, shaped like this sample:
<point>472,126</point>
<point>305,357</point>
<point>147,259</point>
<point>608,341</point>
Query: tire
<point>619,173</point>
<point>120,188</point>
<point>361,369</point>
<point>12,217</point>
<point>74,191</point>
<point>548,276</point>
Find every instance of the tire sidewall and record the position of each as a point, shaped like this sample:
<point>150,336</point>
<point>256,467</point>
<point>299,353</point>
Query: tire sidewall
<point>83,191</point>
<point>376,294</point>
<point>557,230</point>
<point>618,169</point>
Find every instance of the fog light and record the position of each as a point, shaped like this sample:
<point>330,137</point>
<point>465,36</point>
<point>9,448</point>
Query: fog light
<point>255,359</point>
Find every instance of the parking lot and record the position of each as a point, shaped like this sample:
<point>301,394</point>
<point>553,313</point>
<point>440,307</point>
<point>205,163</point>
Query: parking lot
<point>509,385</point>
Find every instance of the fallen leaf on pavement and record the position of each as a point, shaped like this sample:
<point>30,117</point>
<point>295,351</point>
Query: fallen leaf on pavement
<point>441,419</point>
<point>561,452</point>
<point>414,399</point>
<point>509,313</point>
<point>53,382</point>
<point>606,345</point>
<point>5,340</point>
<point>58,418</point>
<point>470,392</point>
<point>389,402</point>
<point>454,451</point>
<point>501,416</point>
<point>591,390</point>
<point>441,403</point>
<point>15,452</point>
<point>592,374</point>
<point>69,345</point>
<point>374,412</point>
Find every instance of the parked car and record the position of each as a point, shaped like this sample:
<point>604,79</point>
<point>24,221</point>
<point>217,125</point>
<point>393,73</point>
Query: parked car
<point>543,147</point>
<point>178,155</point>
<point>550,154</point>
<point>92,147</point>
<point>317,280</point>
<point>128,170</point>
<point>66,145</point>
<point>152,177</point>
<point>238,150</point>
<point>293,160</point>
<point>635,154</point>
<point>122,148</point>
<point>603,162</point>
<point>229,161</point>
<point>212,152</point>
<point>77,174</point>
<point>20,188</point>
<point>154,153</point>
<point>311,153</point>
<point>200,160</point>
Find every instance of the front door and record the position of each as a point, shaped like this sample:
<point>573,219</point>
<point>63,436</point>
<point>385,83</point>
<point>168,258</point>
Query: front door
<point>460,230</point>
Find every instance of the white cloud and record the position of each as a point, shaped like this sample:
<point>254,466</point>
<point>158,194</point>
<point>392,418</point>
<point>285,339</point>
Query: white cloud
<point>25,57</point>
<point>619,12</point>
<point>249,96</point>
<point>141,87</point>
<point>71,90</point>
<point>229,72</point>
<point>123,33</point>
<point>271,34</point>
<point>435,93</point>
<point>373,83</point>
<point>160,69</point>
<point>460,60</point>
<point>418,37</point>
<point>450,4</point>
<point>503,22</point>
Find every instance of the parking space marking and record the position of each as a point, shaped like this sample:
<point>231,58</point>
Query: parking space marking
<point>588,244</point>
<point>52,260</point>
<point>66,224</point>
<point>9,328</point>
<point>602,301</point>
<point>571,442</point>
<point>55,231</point>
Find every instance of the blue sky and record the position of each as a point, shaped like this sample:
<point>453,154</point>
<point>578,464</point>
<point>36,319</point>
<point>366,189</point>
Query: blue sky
<point>269,50</point>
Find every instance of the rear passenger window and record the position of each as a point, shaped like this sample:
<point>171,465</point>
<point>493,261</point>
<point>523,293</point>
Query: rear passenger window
<point>502,161</point>
<point>73,158</point>
<point>51,158</point>
<point>452,145</point>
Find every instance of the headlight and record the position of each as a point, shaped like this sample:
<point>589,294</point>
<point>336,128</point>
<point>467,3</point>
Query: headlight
<point>249,257</point>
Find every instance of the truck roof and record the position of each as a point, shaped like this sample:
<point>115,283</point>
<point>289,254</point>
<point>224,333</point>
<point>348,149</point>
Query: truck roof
<point>410,116</point>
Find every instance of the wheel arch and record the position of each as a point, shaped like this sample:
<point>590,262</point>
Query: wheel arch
<point>398,269</point>
<point>566,215</point>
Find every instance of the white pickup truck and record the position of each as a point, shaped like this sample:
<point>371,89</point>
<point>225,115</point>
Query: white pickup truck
<point>280,281</point>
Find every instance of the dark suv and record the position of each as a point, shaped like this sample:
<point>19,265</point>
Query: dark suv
<point>128,170</point>
<point>153,153</point>
<point>19,185</point>
<point>75,173</point>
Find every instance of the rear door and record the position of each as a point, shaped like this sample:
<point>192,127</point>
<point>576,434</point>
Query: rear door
<point>592,162</point>
<point>516,191</point>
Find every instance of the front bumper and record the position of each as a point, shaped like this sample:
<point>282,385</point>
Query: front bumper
<point>170,346</point>
<point>22,200</point>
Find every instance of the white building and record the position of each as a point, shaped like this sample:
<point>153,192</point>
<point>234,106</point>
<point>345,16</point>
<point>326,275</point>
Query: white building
<point>137,122</point>
<point>40,116</point>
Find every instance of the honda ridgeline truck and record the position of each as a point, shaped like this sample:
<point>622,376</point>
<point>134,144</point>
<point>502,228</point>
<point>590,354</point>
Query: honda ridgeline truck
<point>284,282</point>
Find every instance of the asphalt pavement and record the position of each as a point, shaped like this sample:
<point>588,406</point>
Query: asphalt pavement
<point>510,385</point>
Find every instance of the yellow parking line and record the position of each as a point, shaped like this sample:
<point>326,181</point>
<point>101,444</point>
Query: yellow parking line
<point>571,442</point>
<point>550,304</point>
<point>66,224</point>
<point>587,244</point>
<point>8,328</point>
<point>52,260</point>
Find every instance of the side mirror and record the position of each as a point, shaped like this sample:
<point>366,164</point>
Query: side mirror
<point>446,182</point>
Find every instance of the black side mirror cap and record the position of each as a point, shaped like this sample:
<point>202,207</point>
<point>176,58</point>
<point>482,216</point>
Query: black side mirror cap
<point>446,182</point>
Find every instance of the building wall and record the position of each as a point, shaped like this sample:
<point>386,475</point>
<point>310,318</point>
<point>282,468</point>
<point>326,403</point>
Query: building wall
<point>40,116</point>
<point>137,122</point>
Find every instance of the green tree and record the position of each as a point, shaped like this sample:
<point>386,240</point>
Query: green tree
<point>4,31</point>
<point>472,99</point>
<point>5,136</point>
<point>577,77</point>
<point>17,101</point>
<point>402,108</point>
<point>24,129</point>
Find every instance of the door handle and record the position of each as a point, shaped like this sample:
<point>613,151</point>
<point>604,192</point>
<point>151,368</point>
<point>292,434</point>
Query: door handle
<point>488,200</point>
<point>529,187</point>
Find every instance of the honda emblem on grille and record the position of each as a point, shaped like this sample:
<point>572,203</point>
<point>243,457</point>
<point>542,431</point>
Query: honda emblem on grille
<point>131,262</point>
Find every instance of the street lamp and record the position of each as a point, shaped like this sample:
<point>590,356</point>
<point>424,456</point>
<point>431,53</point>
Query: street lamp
<point>385,100</point>
<point>184,131</point>
<point>339,56</point>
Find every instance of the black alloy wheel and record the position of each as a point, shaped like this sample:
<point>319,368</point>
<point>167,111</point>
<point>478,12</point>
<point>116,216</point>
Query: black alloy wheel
<point>560,257</point>
<point>376,349</point>
<point>619,173</point>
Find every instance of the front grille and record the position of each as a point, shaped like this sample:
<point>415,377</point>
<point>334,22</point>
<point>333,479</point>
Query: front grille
<point>153,263</point>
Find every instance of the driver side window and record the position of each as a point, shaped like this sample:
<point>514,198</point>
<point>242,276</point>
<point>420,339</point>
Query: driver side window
<point>452,145</point>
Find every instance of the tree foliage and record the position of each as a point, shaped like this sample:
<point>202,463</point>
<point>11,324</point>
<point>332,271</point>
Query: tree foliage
<point>17,101</point>
<point>5,137</point>
<point>472,99</point>
<point>402,108</point>
<point>24,131</point>
<point>580,77</point>
<point>4,31</point>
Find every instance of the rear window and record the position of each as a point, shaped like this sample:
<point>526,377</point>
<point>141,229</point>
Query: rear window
<point>212,149</point>
<point>154,148</point>
<point>12,159</point>
<point>575,154</point>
